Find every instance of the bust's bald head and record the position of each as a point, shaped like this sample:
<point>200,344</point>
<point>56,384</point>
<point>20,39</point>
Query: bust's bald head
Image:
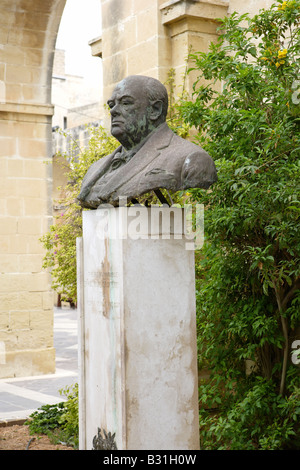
<point>138,105</point>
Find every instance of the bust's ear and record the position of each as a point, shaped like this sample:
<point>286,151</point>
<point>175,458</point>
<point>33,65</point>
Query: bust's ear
<point>156,110</point>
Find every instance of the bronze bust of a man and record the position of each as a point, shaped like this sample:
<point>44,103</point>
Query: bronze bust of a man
<point>151,156</point>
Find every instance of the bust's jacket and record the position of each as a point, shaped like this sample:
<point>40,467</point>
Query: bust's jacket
<point>164,161</point>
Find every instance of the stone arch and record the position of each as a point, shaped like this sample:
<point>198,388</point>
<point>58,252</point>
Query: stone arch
<point>28,31</point>
<point>28,35</point>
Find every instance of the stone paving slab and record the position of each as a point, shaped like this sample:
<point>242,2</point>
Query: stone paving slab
<point>21,396</point>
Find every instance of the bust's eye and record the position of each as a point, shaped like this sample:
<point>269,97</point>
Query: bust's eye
<point>110,104</point>
<point>127,102</point>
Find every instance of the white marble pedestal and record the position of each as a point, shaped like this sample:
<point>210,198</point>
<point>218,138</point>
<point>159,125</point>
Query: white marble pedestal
<point>138,353</point>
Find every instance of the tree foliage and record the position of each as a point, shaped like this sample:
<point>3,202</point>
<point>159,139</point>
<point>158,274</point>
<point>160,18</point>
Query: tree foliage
<point>248,294</point>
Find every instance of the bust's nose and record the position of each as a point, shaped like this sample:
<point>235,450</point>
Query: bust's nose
<point>115,110</point>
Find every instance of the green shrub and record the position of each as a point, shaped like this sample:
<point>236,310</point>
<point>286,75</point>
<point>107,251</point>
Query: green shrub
<point>59,421</point>
<point>248,298</point>
<point>46,419</point>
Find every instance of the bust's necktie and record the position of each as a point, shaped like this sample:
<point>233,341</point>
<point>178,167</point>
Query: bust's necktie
<point>121,158</point>
<point>118,160</point>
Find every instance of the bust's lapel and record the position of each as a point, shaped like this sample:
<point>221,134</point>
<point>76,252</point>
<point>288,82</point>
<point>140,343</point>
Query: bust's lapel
<point>96,171</point>
<point>163,137</point>
<point>138,164</point>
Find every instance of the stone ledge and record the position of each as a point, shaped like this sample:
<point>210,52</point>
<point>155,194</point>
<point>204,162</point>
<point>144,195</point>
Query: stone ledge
<point>27,108</point>
<point>12,422</point>
<point>175,10</point>
<point>28,363</point>
<point>96,47</point>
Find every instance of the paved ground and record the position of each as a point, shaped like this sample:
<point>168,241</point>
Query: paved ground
<point>19,397</point>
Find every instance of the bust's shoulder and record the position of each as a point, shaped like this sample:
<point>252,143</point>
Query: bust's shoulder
<point>184,148</point>
<point>98,164</point>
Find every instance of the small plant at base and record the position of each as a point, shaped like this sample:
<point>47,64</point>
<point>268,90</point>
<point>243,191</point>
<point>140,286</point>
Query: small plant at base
<point>59,421</point>
<point>46,419</point>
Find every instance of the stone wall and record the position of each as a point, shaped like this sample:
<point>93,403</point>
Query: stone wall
<point>134,41</point>
<point>27,41</point>
<point>149,37</point>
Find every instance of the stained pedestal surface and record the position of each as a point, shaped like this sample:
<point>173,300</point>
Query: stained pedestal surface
<point>138,353</point>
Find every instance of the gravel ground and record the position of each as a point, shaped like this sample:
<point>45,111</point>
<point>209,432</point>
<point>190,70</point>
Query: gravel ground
<point>18,437</point>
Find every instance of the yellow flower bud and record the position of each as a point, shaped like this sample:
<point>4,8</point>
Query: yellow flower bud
<point>282,53</point>
<point>283,6</point>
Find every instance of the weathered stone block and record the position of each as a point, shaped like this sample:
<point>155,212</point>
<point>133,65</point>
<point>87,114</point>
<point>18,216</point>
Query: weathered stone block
<point>147,24</point>
<point>19,320</point>
<point>29,362</point>
<point>142,57</point>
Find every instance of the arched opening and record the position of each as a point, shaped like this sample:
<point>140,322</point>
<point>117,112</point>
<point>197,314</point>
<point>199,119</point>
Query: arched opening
<point>76,97</point>
<point>27,36</point>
